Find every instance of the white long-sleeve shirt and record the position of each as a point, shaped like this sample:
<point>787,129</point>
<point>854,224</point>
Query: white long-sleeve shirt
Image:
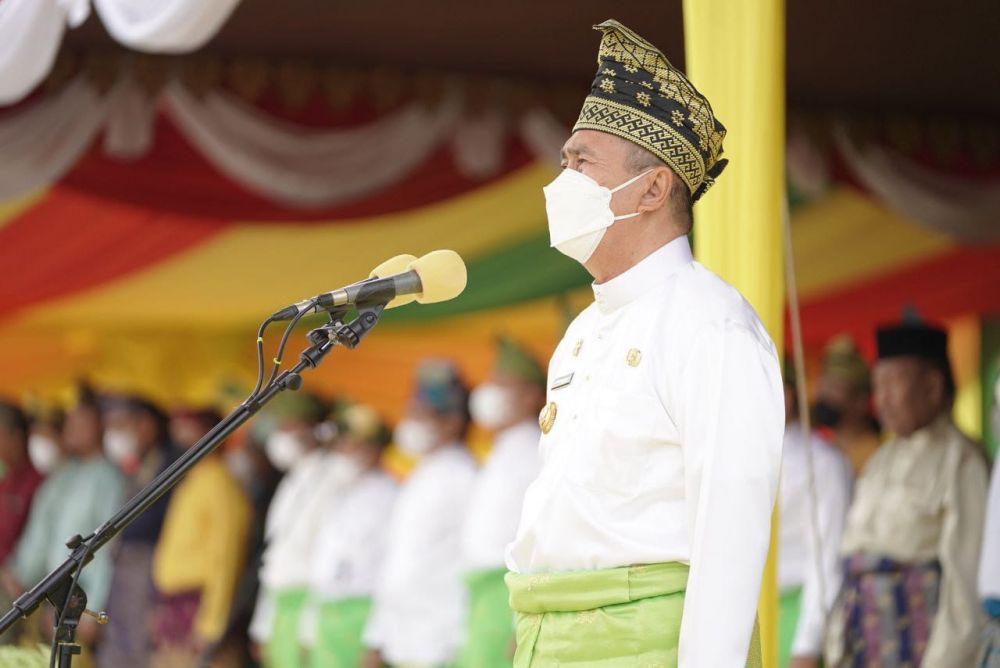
<point>350,544</point>
<point>418,614</point>
<point>797,562</point>
<point>495,510</point>
<point>304,497</point>
<point>666,446</point>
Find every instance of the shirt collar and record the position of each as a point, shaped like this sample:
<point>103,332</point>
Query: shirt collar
<point>642,277</point>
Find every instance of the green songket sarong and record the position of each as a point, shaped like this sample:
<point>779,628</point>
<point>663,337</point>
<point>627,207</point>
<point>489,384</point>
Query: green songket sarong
<point>339,627</point>
<point>613,618</point>
<point>283,649</point>
<point>789,606</point>
<point>490,626</point>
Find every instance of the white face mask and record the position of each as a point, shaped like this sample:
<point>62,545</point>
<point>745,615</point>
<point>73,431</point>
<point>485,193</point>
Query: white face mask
<point>44,453</point>
<point>415,437</point>
<point>579,212</point>
<point>491,405</point>
<point>285,449</point>
<point>121,446</point>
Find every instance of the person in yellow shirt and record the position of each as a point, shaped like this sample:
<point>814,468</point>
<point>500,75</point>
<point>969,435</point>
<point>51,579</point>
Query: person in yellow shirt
<point>200,553</point>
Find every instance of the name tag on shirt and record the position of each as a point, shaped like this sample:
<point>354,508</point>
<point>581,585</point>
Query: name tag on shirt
<point>561,381</point>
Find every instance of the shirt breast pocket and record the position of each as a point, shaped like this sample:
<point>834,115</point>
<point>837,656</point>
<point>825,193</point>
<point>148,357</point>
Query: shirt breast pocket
<point>617,446</point>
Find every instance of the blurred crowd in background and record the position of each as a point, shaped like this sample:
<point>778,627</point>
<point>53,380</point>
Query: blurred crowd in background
<point>292,545</point>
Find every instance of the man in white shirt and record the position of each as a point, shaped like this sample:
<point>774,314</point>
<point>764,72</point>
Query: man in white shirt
<point>350,543</point>
<point>989,560</point>
<point>418,613</point>
<point>643,540</point>
<point>507,404</point>
<point>813,507</point>
<point>302,498</point>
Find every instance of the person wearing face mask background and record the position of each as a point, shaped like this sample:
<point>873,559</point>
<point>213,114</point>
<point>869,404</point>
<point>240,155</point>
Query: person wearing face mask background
<point>304,495</point>
<point>200,553</point>
<point>913,532</point>
<point>137,439</point>
<point>44,448</point>
<point>643,539</point>
<point>506,404</point>
<point>350,543</point>
<point>813,505</point>
<point>19,480</point>
<point>418,614</point>
<point>842,408</point>
<point>81,493</point>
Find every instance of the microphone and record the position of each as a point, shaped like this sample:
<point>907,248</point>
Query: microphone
<point>436,277</point>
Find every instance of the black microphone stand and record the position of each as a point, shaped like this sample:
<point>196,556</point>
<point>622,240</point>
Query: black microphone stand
<point>61,586</point>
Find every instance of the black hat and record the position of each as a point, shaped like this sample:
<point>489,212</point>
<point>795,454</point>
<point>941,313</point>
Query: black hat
<point>912,340</point>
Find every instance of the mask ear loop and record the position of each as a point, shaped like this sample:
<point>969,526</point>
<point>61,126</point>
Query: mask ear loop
<point>631,180</point>
<point>626,185</point>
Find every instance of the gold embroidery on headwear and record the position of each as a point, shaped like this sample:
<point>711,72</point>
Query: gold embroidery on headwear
<point>547,417</point>
<point>652,133</point>
<point>642,98</point>
<point>621,44</point>
<point>607,85</point>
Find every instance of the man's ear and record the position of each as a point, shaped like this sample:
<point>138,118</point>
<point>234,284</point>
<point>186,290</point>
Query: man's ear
<point>658,184</point>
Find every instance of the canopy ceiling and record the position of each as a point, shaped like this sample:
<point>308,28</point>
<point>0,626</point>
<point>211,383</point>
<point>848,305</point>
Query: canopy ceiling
<point>916,56</point>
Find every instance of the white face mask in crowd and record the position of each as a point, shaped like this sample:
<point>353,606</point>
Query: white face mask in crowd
<point>285,449</point>
<point>579,212</point>
<point>415,437</point>
<point>121,446</point>
<point>492,405</point>
<point>44,453</point>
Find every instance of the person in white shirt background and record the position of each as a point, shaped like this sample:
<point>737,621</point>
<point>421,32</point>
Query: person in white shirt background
<point>350,542</point>
<point>813,506</point>
<point>989,560</point>
<point>506,404</point>
<point>418,613</point>
<point>302,497</point>
<point>644,538</point>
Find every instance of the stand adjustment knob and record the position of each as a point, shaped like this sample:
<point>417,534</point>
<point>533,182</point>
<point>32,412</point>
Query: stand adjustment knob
<point>101,617</point>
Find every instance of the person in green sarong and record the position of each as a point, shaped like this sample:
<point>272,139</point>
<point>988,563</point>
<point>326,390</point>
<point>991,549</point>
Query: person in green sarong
<point>813,509</point>
<point>350,543</point>
<point>642,542</point>
<point>304,496</point>
<point>506,404</point>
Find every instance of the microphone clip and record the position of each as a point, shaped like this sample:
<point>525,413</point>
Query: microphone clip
<point>351,333</point>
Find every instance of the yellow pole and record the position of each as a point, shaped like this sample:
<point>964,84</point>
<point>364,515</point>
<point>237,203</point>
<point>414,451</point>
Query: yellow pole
<point>736,57</point>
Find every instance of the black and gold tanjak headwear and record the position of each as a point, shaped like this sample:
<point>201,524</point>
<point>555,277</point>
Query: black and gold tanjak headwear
<point>639,96</point>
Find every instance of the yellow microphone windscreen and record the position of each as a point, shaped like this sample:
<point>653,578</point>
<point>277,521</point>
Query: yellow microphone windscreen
<point>392,266</point>
<point>442,275</point>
